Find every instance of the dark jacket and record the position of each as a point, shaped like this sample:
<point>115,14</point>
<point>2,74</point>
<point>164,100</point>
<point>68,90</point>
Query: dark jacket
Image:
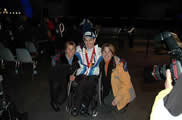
<point>59,77</point>
<point>106,80</point>
<point>63,62</point>
<point>118,80</point>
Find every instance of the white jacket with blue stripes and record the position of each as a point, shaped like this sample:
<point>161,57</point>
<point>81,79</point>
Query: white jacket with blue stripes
<point>84,69</point>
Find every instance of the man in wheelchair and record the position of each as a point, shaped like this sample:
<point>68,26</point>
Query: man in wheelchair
<point>86,76</point>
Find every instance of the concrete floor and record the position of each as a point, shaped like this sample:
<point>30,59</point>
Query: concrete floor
<point>32,96</point>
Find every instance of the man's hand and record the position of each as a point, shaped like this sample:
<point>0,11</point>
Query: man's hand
<point>114,102</point>
<point>72,77</point>
<point>168,82</point>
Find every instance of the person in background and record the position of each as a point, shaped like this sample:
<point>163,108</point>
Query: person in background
<point>66,65</point>
<point>86,25</point>
<point>59,29</point>
<point>51,35</point>
<point>118,90</point>
<point>167,104</point>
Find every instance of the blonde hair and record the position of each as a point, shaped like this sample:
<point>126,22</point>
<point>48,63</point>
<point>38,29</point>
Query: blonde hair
<point>70,43</point>
<point>110,46</point>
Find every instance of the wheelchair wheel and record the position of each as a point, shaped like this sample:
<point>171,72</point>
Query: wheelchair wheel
<point>71,92</point>
<point>69,101</point>
<point>68,109</point>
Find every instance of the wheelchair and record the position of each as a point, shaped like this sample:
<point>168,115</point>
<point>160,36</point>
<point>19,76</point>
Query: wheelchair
<point>94,103</point>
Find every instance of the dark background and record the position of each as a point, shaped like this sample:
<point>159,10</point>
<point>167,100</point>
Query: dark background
<point>132,11</point>
<point>146,8</point>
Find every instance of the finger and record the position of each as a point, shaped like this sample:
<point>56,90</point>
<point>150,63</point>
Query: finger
<point>168,74</point>
<point>113,104</point>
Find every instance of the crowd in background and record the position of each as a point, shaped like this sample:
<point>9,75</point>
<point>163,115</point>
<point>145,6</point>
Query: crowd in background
<point>15,30</point>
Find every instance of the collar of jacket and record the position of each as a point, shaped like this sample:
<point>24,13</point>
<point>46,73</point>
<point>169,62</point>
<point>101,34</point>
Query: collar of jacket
<point>63,59</point>
<point>112,62</point>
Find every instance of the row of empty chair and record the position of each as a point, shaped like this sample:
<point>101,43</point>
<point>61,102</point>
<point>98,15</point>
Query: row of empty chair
<point>23,55</point>
<point>30,46</point>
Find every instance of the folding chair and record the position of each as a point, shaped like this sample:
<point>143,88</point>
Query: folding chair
<point>31,48</point>
<point>42,46</point>
<point>23,56</point>
<point>6,55</point>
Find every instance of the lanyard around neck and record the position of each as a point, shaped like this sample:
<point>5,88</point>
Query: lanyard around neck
<point>91,59</point>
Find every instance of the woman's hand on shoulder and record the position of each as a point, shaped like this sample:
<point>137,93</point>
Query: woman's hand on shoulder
<point>117,60</point>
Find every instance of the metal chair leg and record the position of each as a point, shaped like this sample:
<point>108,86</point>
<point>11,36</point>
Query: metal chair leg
<point>17,67</point>
<point>33,66</point>
<point>2,64</point>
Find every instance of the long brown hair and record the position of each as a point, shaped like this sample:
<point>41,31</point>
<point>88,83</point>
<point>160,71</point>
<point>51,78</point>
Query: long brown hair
<point>110,46</point>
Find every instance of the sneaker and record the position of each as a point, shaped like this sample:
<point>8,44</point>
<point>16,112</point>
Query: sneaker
<point>74,112</point>
<point>94,113</point>
<point>83,110</point>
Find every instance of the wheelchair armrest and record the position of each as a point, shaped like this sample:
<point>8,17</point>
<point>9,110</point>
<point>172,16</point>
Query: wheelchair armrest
<point>74,84</point>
